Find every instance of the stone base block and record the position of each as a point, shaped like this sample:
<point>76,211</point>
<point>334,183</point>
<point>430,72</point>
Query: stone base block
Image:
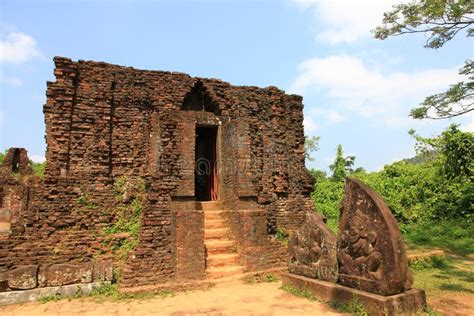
<point>16,297</point>
<point>406,303</point>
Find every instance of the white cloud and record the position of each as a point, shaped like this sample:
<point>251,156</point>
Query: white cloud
<point>10,80</point>
<point>309,125</point>
<point>37,158</point>
<point>469,127</point>
<point>18,47</point>
<point>329,116</point>
<point>352,86</point>
<point>322,116</point>
<point>346,21</point>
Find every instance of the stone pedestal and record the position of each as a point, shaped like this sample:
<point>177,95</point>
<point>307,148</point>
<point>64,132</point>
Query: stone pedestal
<point>406,303</point>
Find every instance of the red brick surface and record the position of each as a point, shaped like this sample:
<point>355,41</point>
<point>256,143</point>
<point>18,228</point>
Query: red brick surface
<point>105,121</point>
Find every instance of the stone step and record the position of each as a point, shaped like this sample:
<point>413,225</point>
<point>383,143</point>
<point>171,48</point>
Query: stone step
<point>216,233</point>
<point>209,205</point>
<point>211,215</point>
<point>223,259</point>
<point>215,223</point>
<point>219,246</point>
<point>220,272</point>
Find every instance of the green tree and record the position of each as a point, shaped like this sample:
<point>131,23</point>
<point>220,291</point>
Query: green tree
<point>441,20</point>
<point>317,174</point>
<point>438,184</point>
<point>326,197</point>
<point>453,150</point>
<point>341,165</point>
<point>38,168</point>
<point>360,170</point>
<point>311,144</point>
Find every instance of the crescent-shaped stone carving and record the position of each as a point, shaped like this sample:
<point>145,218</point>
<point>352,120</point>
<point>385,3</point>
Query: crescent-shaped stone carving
<point>370,250</point>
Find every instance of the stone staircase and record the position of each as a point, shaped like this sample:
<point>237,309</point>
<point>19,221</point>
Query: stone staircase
<point>222,259</point>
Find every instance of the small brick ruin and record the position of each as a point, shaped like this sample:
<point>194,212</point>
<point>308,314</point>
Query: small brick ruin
<point>124,188</point>
<point>15,179</point>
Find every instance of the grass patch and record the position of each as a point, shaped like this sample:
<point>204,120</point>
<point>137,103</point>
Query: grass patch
<point>49,298</point>
<point>110,292</point>
<point>428,311</point>
<point>297,292</point>
<point>429,263</point>
<point>260,278</point>
<point>456,235</point>
<point>355,307</point>
<point>441,275</point>
<point>107,292</point>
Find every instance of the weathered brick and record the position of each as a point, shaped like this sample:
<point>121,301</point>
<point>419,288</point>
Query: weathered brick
<point>105,121</point>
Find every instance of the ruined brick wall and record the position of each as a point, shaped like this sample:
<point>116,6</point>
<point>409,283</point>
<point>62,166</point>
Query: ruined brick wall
<point>105,122</point>
<point>258,250</point>
<point>190,249</point>
<point>16,161</point>
<point>15,181</point>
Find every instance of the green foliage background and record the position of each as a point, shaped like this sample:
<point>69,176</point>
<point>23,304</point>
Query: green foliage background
<point>434,191</point>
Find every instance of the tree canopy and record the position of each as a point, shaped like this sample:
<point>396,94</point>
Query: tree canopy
<point>311,144</point>
<point>441,20</point>
<point>341,165</point>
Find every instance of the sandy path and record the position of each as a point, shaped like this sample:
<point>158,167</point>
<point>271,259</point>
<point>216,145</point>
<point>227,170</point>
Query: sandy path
<point>233,298</point>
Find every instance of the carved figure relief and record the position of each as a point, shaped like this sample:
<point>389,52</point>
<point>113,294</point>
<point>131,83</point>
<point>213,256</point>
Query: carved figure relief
<point>357,249</point>
<point>370,250</point>
<point>312,250</point>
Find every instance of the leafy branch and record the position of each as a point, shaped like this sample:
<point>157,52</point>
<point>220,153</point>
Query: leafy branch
<point>441,20</point>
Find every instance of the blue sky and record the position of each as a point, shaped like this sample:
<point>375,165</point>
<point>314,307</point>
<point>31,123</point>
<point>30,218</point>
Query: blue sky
<point>357,90</point>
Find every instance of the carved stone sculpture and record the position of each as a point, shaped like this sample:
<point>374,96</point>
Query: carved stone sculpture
<point>312,250</point>
<point>370,250</point>
<point>369,262</point>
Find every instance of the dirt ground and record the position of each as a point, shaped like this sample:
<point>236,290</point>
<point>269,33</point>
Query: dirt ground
<point>232,298</point>
<point>459,304</point>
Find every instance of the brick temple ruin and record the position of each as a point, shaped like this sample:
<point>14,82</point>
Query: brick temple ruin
<point>165,176</point>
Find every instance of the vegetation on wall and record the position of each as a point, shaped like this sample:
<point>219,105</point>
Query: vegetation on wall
<point>123,234</point>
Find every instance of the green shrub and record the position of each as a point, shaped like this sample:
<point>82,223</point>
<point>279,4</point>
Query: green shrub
<point>270,277</point>
<point>282,235</point>
<point>326,197</point>
<point>38,168</point>
<point>438,184</point>
<point>128,217</point>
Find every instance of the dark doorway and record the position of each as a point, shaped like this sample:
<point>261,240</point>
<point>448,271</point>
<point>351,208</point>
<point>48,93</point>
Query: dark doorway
<point>205,172</point>
<point>16,161</point>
